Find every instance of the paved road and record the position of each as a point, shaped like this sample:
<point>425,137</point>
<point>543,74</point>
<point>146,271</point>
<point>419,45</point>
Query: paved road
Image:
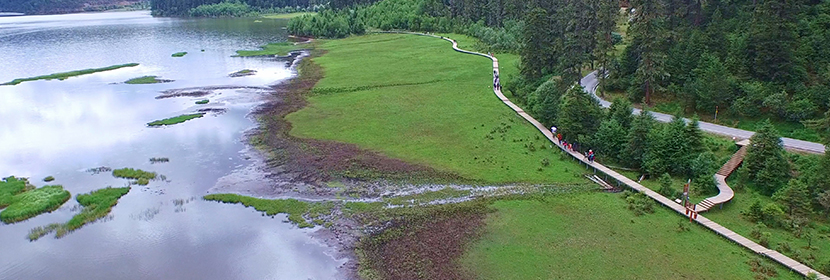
<point>590,83</point>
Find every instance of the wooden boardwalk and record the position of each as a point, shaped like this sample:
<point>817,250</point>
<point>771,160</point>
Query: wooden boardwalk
<point>725,193</point>
<point>725,232</point>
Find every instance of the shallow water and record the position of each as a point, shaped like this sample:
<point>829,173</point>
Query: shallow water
<point>62,128</point>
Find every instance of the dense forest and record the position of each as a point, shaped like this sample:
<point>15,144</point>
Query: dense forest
<point>66,6</point>
<point>228,8</point>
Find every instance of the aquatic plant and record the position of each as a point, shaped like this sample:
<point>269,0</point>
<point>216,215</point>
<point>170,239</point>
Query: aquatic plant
<point>294,208</point>
<point>146,80</point>
<point>201,102</point>
<point>136,174</point>
<point>159,160</point>
<point>65,75</point>
<point>9,187</point>
<point>48,179</point>
<point>97,204</point>
<point>179,54</point>
<point>175,120</point>
<point>31,203</point>
<point>282,48</point>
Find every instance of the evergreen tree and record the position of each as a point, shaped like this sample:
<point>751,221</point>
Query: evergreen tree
<point>620,111</point>
<point>610,139</point>
<point>772,40</point>
<point>545,101</point>
<point>665,185</point>
<point>668,150</point>
<point>694,138</point>
<point>648,33</point>
<point>765,166</point>
<point>795,198</point>
<point>711,86</point>
<point>606,21</point>
<point>535,59</point>
<point>638,138</point>
<point>579,114</point>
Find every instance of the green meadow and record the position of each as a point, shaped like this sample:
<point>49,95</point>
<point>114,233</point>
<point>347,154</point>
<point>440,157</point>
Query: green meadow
<point>414,98</point>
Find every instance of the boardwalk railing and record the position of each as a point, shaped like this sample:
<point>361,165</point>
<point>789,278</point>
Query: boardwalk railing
<point>725,232</point>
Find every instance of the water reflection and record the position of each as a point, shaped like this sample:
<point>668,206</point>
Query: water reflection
<point>62,128</point>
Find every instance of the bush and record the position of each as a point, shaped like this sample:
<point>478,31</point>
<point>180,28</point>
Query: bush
<point>639,203</point>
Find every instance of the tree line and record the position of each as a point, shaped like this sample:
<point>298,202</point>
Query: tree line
<point>62,6</point>
<point>227,7</point>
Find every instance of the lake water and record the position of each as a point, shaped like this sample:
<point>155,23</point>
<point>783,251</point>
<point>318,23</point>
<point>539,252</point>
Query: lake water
<point>63,128</point>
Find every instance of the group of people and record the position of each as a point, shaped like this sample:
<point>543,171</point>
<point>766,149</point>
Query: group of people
<point>496,82</point>
<point>570,146</point>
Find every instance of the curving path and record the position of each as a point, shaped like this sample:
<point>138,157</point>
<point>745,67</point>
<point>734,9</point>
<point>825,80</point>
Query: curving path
<point>590,83</point>
<point>731,235</point>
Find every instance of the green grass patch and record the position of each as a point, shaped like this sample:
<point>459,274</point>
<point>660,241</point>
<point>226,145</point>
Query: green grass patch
<point>179,54</point>
<point>730,216</point>
<point>294,208</point>
<point>31,203</point>
<point>288,15</point>
<point>135,174</point>
<point>176,120</point>
<point>11,186</point>
<point>96,205</point>
<point>146,80</point>
<point>281,48</point>
<point>48,179</point>
<point>202,102</point>
<point>65,75</point>
<point>593,236</point>
<point>444,116</point>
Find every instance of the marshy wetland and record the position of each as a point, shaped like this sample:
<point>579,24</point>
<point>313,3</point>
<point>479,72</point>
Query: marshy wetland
<point>81,131</point>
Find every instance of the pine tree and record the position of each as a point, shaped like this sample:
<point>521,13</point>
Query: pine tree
<point>620,111</point>
<point>535,53</point>
<point>795,198</point>
<point>638,138</point>
<point>772,41</point>
<point>648,32</point>
<point>610,139</point>
<point>665,185</point>
<point>766,167</point>
<point>545,101</point>
<point>606,21</point>
<point>579,114</point>
<point>694,138</point>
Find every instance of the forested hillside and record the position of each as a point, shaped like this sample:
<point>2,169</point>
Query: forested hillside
<point>227,8</point>
<point>65,6</point>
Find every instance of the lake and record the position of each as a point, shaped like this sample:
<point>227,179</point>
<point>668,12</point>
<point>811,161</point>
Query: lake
<point>63,128</point>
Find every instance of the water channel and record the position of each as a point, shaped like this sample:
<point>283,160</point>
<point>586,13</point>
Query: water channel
<point>63,128</point>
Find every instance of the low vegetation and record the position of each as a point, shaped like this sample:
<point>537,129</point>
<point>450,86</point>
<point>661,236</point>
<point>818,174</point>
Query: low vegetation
<point>66,75</point>
<point>303,214</point>
<point>176,120</point>
<point>282,48</point>
<point>242,73</point>
<point>146,80</point>
<point>141,177</point>
<point>588,234</point>
<point>446,116</point>
<point>179,54</point>
<point>48,179</point>
<point>96,205</point>
<point>202,102</point>
<point>34,202</point>
<point>288,15</point>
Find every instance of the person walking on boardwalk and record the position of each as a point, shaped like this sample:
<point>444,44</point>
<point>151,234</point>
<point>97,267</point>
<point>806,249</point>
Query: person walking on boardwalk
<point>559,137</point>
<point>591,156</point>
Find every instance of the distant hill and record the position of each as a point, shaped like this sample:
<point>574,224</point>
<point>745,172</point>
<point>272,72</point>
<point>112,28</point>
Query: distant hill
<point>67,6</point>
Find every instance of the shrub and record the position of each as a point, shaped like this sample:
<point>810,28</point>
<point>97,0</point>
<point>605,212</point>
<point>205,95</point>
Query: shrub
<point>639,203</point>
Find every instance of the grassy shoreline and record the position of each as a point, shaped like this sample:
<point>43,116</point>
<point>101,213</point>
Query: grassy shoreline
<point>65,75</point>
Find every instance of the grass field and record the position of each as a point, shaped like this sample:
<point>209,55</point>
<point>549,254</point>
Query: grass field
<point>730,217</point>
<point>281,48</point>
<point>414,98</point>
<point>176,120</point>
<point>592,235</point>
<point>65,75</point>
